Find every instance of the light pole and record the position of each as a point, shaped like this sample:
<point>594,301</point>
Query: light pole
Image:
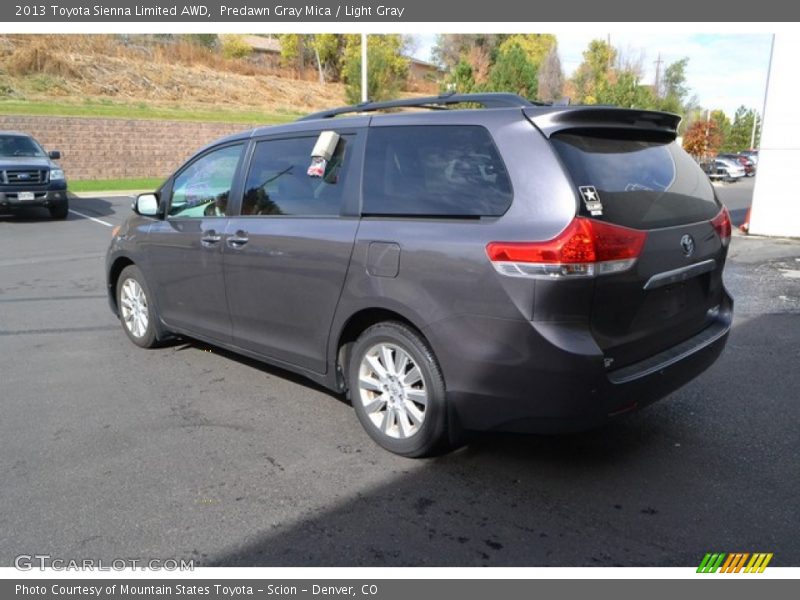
<point>364,94</point>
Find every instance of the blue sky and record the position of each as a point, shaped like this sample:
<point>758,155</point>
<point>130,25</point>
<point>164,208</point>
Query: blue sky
<point>724,70</point>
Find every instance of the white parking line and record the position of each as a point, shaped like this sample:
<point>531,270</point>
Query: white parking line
<point>96,220</point>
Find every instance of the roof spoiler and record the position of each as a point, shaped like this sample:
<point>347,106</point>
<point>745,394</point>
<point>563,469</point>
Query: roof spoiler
<point>603,117</point>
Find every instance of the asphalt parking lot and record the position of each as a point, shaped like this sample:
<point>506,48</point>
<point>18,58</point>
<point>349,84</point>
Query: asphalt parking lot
<point>109,451</point>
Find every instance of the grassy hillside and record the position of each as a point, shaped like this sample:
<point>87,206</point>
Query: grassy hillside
<point>147,78</point>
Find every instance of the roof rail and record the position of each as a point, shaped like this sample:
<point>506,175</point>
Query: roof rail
<point>489,100</point>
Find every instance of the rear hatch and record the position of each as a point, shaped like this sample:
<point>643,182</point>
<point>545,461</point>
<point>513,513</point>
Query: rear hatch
<point>628,171</point>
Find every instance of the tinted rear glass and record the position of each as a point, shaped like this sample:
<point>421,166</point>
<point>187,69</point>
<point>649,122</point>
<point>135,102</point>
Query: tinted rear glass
<point>443,170</point>
<point>645,184</point>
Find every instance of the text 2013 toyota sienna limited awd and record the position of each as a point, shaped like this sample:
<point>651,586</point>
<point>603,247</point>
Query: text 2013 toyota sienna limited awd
<point>516,267</point>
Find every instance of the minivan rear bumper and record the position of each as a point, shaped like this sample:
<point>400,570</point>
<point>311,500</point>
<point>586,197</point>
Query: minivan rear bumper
<point>534,377</point>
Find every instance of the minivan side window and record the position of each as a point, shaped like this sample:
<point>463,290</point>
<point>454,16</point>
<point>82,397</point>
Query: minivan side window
<point>278,182</point>
<point>444,170</point>
<point>203,188</point>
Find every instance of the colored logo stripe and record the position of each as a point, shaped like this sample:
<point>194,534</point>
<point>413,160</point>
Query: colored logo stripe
<point>734,562</point>
<point>758,563</point>
<point>711,563</point>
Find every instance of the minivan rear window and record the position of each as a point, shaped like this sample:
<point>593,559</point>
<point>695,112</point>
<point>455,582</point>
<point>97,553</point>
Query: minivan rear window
<point>436,171</point>
<point>641,183</point>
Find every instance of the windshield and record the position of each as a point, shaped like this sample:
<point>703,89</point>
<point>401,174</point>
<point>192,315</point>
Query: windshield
<point>19,145</point>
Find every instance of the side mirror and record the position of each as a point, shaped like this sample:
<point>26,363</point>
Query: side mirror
<point>54,154</point>
<point>146,205</point>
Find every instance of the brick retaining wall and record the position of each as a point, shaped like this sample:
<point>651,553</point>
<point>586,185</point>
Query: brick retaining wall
<point>119,148</point>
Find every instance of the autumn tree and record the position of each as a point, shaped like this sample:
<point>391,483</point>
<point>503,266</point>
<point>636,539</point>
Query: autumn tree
<point>450,49</point>
<point>702,139</point>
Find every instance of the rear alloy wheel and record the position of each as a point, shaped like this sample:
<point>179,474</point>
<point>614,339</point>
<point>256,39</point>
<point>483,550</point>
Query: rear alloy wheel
<point>136,312</point>
<point>397,390</point>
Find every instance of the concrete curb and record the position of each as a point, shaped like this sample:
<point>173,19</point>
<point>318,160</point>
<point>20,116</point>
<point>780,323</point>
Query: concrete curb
<point>108,194</point>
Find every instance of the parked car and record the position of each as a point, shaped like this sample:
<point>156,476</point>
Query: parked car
<point>516,267</point>
<point>733,171</point>
<point>747,164</point>
<point>752,155</point>
<point>30,177</point>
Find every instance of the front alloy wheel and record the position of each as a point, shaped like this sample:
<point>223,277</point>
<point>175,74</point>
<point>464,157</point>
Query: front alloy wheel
<point>136,310</point>
<point>133,306</point>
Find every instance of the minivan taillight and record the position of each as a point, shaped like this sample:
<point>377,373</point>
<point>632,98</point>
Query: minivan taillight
<point>722,225</point>
<point>584,249</point>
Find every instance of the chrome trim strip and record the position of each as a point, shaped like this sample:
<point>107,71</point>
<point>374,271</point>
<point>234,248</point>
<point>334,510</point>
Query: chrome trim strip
<point>676,275</point>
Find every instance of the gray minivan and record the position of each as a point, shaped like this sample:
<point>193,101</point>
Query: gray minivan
<point>514,267</point>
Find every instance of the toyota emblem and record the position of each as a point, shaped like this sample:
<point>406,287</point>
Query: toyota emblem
<point>687,245</point>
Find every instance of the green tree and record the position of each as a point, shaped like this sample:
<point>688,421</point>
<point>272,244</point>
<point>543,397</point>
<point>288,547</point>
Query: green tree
<point>328,49</point>
<point>234,46</point>
<point>674,81</point>
<point>742,129</point>
<point>536,46</point>
<point>624,89</point>
<point>724,127</point>
<point>513,72</point>
<point>591,79</point>
<point>323,50</point>
<point>292,50</point>
<point>673,91</point>
<point>387,68</point>
<point>461,79</point>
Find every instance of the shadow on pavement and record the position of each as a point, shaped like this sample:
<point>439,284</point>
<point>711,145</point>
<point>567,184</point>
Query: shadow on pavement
<point>92,206</point>
<point>711,468</point>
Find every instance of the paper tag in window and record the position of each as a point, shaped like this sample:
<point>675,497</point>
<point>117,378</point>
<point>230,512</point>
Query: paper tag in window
<point>317,167</point>
<point>322,153</point>
<point>591,199</point>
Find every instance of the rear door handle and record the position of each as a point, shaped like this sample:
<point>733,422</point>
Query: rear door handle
<point>210,238</point>
<point>238,239</point>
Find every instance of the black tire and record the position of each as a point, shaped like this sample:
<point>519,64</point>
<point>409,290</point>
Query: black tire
<point>59,211</point>
<point>430,436</point>
<point>144,337</point>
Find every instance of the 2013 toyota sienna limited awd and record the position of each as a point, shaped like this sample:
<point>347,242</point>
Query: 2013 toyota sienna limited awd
<point>515,267</point>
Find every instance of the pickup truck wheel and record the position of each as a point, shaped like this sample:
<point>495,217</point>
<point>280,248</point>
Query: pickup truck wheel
<point>59,211</point>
